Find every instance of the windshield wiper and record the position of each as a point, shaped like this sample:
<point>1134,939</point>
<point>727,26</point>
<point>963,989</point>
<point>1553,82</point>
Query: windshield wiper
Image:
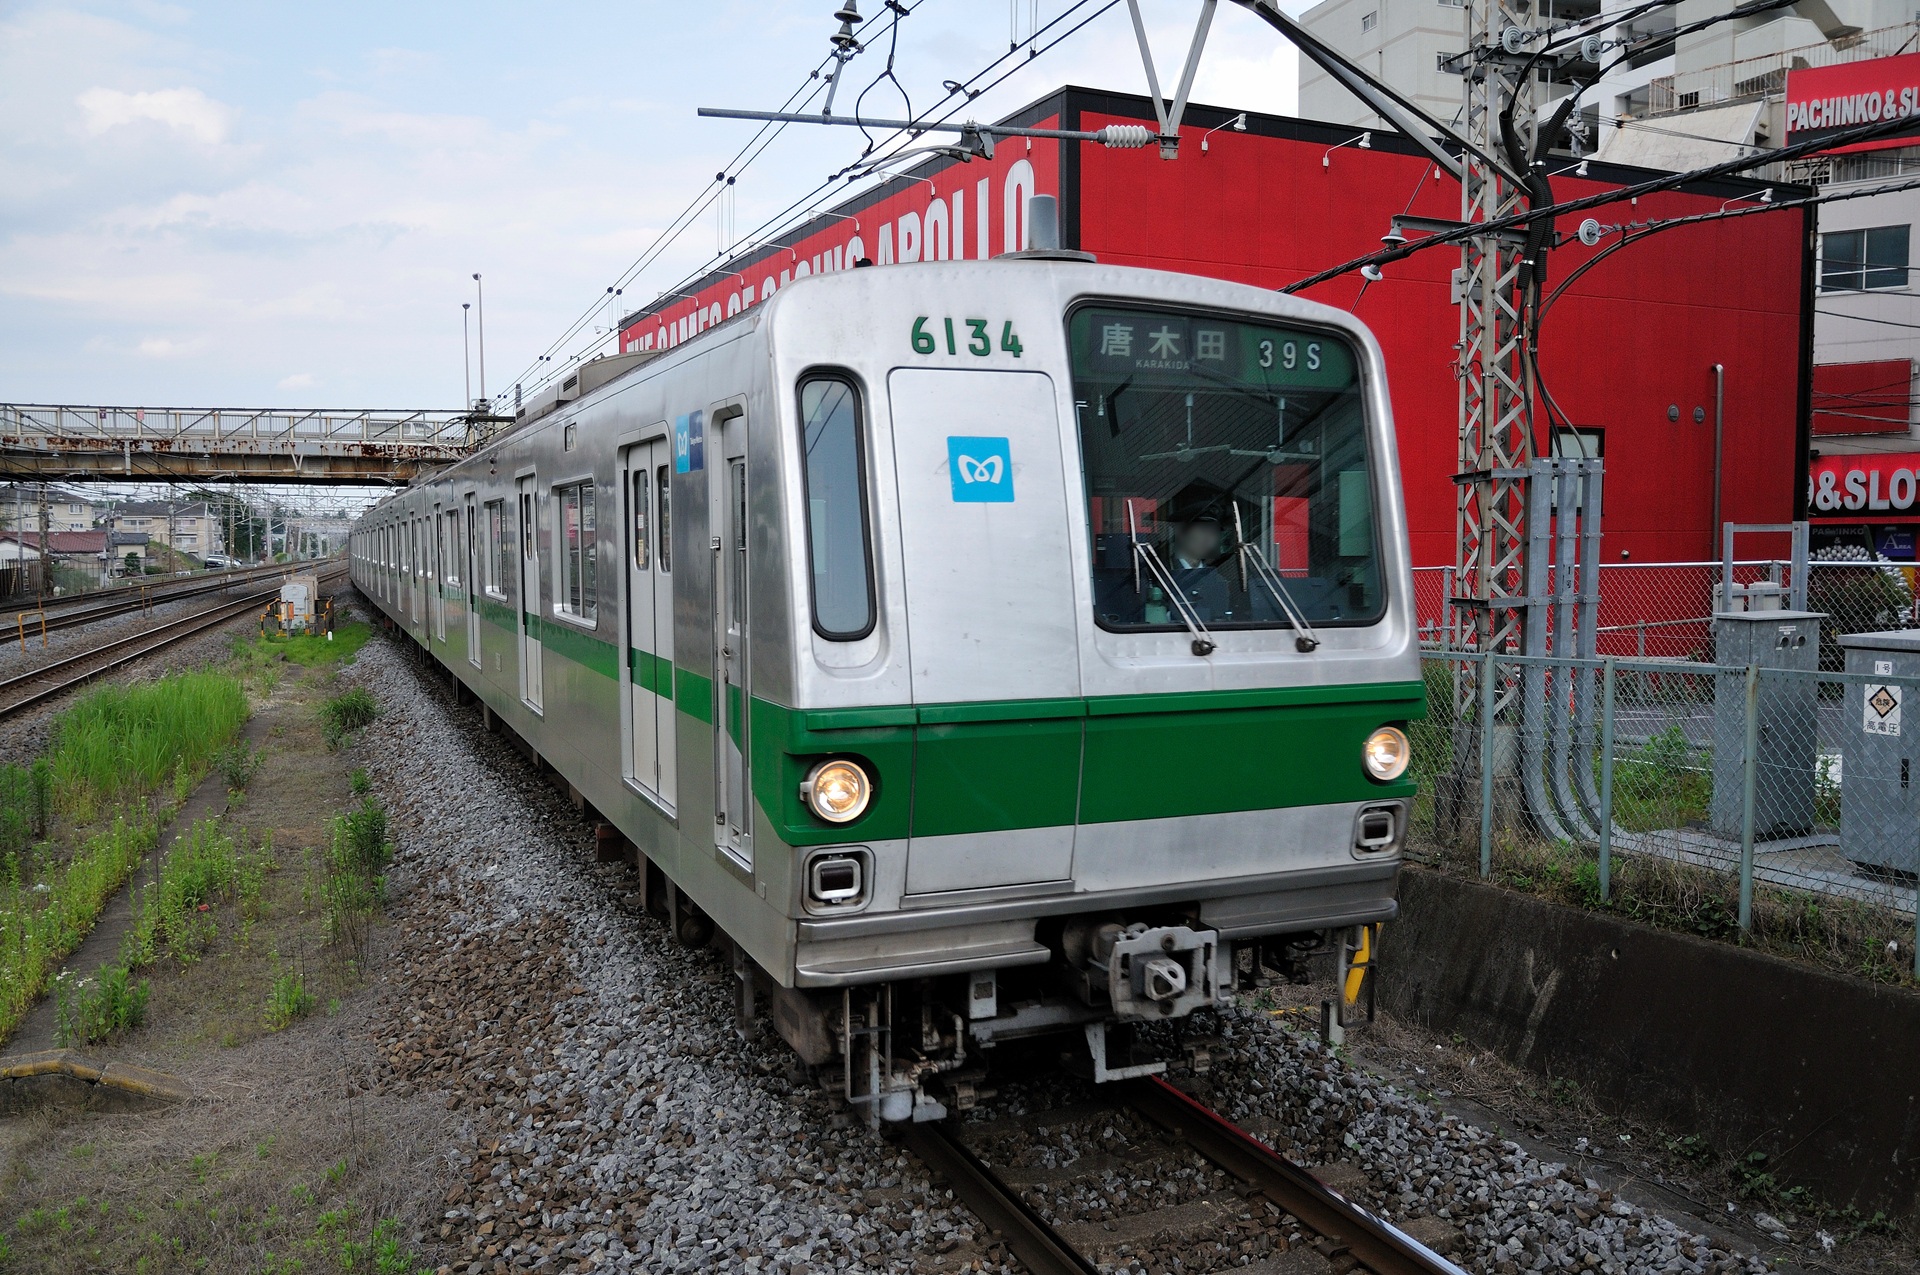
<point>1305,639</point>
<point>1203,643</point>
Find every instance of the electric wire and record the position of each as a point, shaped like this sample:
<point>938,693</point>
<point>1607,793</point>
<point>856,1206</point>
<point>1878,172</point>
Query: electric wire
<point>778,222</point>
<point>1652,186</point>
<point>763,136</point>
<point>966,93</point>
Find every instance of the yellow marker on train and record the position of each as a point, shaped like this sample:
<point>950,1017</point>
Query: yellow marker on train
<point>1362,962</point>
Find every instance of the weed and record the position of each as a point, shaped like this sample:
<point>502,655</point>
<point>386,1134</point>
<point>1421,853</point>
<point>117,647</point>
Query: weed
<point>360,782</point>
<point>90,1009</point>
<point>313,649</point>
<point>47,908</point>
<point>1691,1147</point>
<point>199,869</point>
<point>288,1000</point>
<point>346,713</point>
<point>365,827</point>
<point>238,763</point>
<point>120,742</point>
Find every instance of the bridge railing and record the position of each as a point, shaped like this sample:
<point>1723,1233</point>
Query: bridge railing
<point>261,426</point>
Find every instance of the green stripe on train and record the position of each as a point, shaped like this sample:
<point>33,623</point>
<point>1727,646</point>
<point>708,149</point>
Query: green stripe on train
<point>990,766</point>
<point>997,766</point>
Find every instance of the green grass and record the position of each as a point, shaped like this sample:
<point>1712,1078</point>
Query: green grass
<point>45,912</point>
<point>90,1009</point>
<point>312,650</point>
<point>202,869</point>
<point>346,713</point>
<point>288,999</point>
<point>121,743</point>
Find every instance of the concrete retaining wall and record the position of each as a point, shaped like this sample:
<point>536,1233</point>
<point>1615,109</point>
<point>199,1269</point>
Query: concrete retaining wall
<point>1750,1052</point>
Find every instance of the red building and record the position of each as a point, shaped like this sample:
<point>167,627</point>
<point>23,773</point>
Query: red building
<point>1628,353</point>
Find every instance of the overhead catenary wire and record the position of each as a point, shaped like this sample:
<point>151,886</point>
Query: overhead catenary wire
<point>761,138</point>
<point>1652,186</point>
<point>966,91</point>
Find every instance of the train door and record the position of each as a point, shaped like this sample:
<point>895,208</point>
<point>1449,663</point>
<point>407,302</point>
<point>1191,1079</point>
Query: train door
<point>413,571</point>
<point>732,673</point>
<point>990,617</point>
<point>473,587</point>
<point>419,572</point>
<point>648,737</point>
<point>531,654</point>
<point>437,574</point>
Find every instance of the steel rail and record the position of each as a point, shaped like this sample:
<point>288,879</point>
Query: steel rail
<point>85,608</point>
<point>1374,1242</point>
<point>124,651</point>
<point>1038,1246</point>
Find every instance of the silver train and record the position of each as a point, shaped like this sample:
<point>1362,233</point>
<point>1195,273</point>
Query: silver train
<point>984,649</point>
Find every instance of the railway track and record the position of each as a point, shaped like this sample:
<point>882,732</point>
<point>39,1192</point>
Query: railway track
<point>1145,1176</point>
<point>86,608</point>
<point>37,685</point>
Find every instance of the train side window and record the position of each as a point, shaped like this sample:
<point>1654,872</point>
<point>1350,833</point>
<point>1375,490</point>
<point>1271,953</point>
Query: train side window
<point>642,480</point>
<point>574,504</point>
<point>496,564</point>
<point>664,536</point>
<point>833,460</point>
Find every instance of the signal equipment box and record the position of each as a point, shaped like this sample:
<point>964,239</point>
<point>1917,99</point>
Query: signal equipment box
<point>1785,709</point>
<point>1879,805</point>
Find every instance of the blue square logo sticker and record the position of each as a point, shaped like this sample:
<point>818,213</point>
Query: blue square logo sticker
<point>981,469</point>
<point>689,443</point>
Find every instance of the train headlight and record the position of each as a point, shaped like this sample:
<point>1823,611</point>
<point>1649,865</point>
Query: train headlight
<point>1386,753</point>
<point>838,791</point>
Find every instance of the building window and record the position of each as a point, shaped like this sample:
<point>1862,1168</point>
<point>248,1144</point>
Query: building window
<point>833,461</point>
<point>1369,21</point>
<point>1855,260</point>
<point>574,505</point>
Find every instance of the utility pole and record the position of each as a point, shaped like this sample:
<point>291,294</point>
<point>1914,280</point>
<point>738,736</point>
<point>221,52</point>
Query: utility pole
<point>466,356</point>
<point>480,316</point>
<point>1496,446</point>
<point>46,545</point>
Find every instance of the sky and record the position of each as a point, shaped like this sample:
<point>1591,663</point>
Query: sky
<point>283,205</point>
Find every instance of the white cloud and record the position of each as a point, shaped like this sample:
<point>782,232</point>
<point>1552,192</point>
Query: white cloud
<point>160,347</point>
<point>298,381</point>
<point>187,111</point>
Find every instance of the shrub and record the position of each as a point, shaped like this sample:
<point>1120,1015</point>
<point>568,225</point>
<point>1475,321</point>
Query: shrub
<point>90,1009</point>
<point>346,713</point>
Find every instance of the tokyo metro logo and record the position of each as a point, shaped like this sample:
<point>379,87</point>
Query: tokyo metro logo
<point>981,469</point>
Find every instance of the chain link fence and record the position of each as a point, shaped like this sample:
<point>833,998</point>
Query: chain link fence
<point>1771,806</point>
<point>1665,610</point>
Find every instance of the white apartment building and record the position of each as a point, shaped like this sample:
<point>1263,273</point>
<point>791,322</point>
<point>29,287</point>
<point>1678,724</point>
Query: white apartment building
<point>67,509</point>
<point>1708,97</point>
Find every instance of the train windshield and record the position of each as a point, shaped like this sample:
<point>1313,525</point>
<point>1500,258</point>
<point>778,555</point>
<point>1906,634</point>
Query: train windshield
<point>1228,472</point>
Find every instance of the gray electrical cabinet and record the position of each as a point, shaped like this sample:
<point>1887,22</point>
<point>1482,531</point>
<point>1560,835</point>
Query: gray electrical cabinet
<point>1785,710</point>
<point>1879,813</point>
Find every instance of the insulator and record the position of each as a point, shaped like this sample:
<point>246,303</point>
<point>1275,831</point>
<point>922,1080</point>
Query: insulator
<point>1125,136</point>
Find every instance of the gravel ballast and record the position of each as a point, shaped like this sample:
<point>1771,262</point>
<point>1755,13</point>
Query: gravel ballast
<point>611,1114</point>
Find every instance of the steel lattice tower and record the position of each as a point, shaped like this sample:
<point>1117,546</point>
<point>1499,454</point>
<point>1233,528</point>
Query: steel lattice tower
<point>1490,586</point>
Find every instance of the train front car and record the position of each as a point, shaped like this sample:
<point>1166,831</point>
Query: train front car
<point>1098,656</point>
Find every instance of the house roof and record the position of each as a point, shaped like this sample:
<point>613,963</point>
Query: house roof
<point>161,509</point>
<point>71,543</point>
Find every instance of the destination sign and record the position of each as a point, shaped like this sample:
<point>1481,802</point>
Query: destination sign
<point>1143,344</point>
